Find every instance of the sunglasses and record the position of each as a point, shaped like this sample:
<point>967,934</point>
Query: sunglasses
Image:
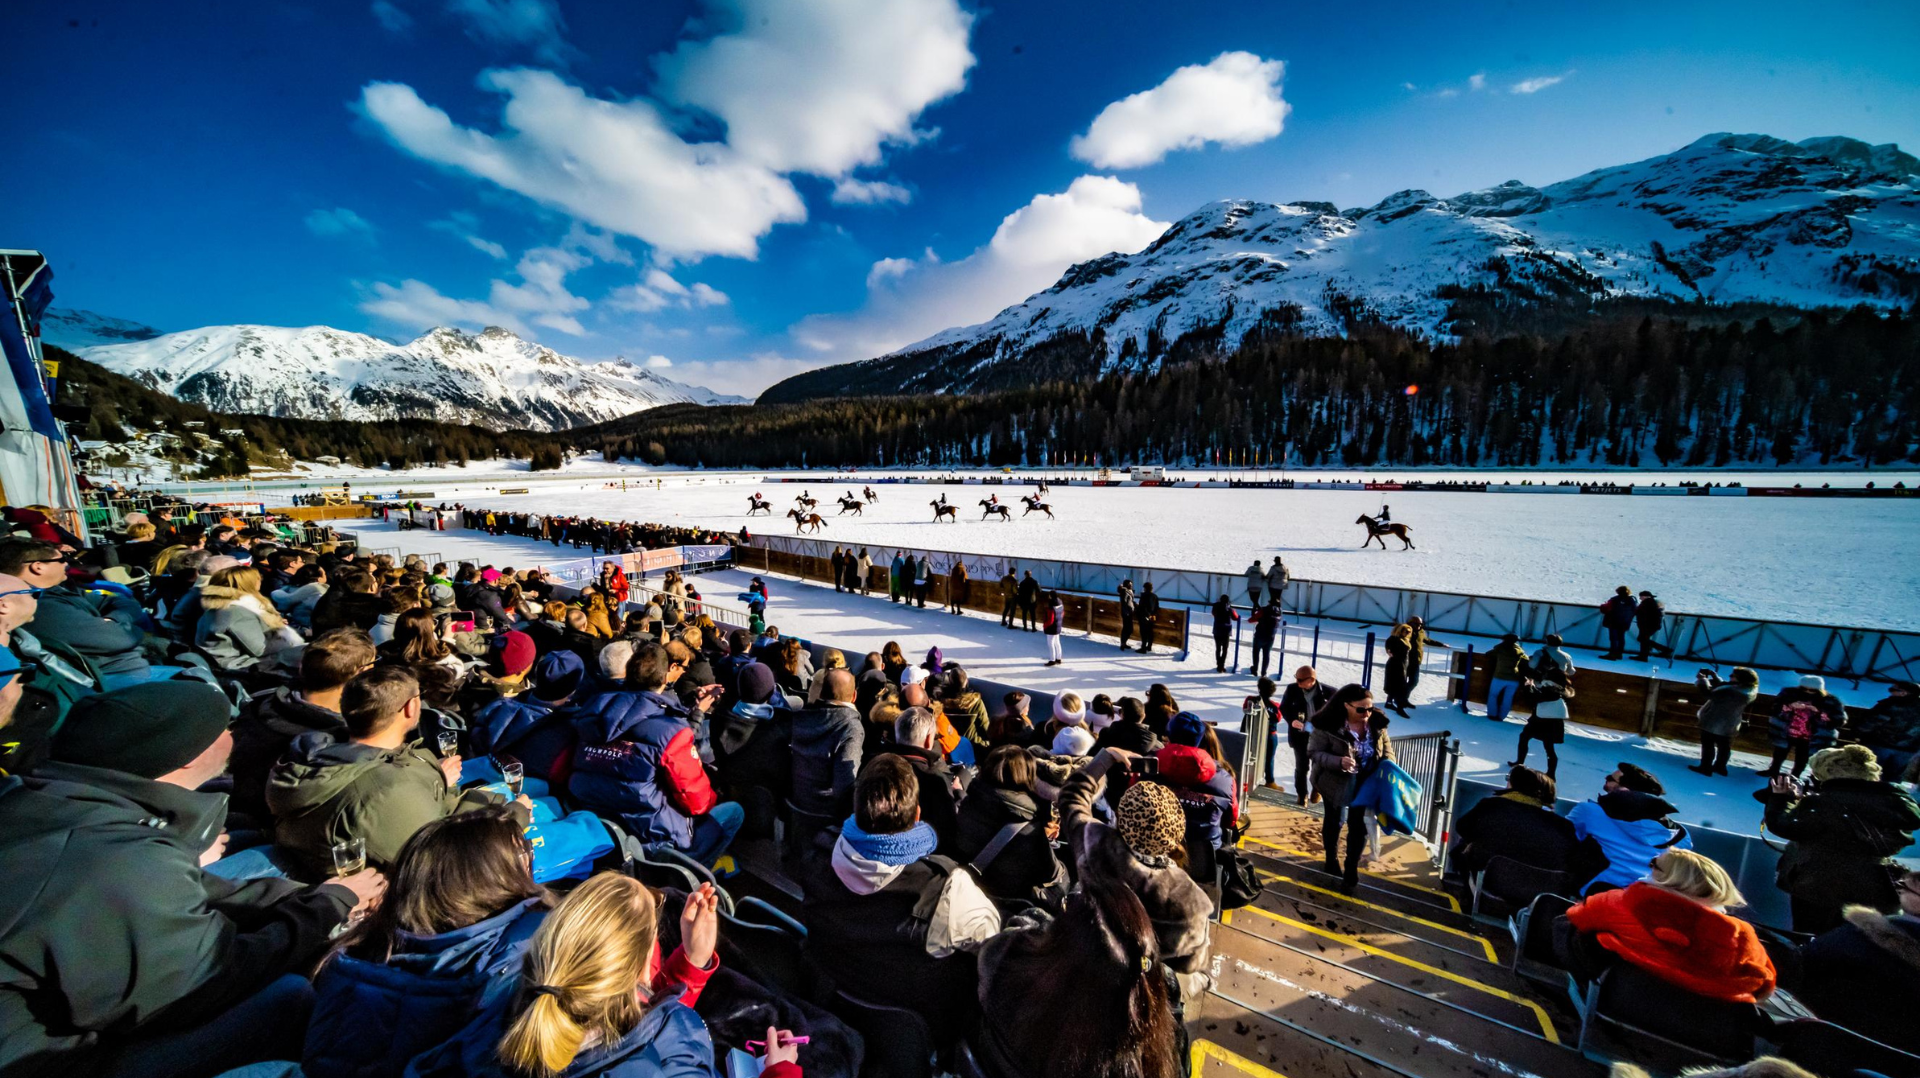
<point>64,559</point>
<point>20,591</point>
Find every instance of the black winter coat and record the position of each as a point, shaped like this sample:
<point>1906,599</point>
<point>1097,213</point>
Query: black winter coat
<point>940,792</point>
<point>1839,839</point>
<point>1501,826</point>
<point>1865,976</point>
<point>1027,862</point>
<point>1299,705</point>
<point>262,734</point>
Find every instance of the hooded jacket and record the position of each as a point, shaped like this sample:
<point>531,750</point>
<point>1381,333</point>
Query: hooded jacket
<point>1680,941</point>
<point>1865,975</point>
<point>236,629</point>
<point>638,762</point>
<point>266,728</point>
<point>298,603</point>
<point>1028,861</point>
<point>370,1018</point>
<point>325,790</point>
<point>1205,790</point>
<point>1838,840</point>
<point>530,730</point>
<point>106,919</point>
<point>1631,829</point>
<point>1510,825</point>
<point>826,745</point>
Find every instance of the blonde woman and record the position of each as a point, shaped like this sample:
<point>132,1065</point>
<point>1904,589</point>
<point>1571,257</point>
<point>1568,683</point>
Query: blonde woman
<point>831,659</point>
<point>1674,924</point>
<point>593,999</point>
<point>239,629</point>
<point>597,617</point>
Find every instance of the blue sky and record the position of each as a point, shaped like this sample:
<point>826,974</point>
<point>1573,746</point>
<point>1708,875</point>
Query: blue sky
<point>744,188</point>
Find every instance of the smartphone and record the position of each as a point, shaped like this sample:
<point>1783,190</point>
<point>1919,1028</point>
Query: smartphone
<point>1144,765</point>
<point>463,621</point>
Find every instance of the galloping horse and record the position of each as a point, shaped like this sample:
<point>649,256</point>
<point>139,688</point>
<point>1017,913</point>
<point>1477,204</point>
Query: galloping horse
<point>996,509</point>
<point>871,496</point>
<point>941,509</point>
<point>805,502</point>
<point>1375,530</point>
<point>805,521</point>
<point>1034,503</point>
<point>850,505</point>
<point>757,504</point>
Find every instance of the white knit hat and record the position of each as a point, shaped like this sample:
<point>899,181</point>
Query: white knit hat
<point>1814,682</point>
<point>1074,714</point>
<point>1072,741</point>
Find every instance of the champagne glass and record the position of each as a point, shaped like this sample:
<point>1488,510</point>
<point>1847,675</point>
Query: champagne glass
<point>349,856</point>
<point>514,773</point>
<point>449,744</point>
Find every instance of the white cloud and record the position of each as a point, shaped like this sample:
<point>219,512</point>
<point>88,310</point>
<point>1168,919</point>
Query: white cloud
<point>1448,92</point>
<point>532,24</point>
<point>461,225</point>
<point>540,299</point>
<point>910,299</point>
<point>339,221</point>
<point>1233,100</point>
<point>657,363</point>
<point>1535,85</point>
<point>1477,81</point>
<point>705,295</point>
<point>601,244</point>
<point>658,290</point>
<point>851,192</point>
<point>820,87</point>
<point>1408,86</point>
<point>391,17</point>
<point>617,165</point>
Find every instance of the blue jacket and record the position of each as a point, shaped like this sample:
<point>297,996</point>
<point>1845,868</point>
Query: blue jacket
<point>1631,829</point>
<point>528,729</point>
<point>670,1042</point>
<point>632,764</point>
<point>370,1018</point>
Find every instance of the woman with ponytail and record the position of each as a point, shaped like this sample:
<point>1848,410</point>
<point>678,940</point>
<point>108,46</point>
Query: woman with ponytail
<point>1094,971</point>
<point>594,1000</point>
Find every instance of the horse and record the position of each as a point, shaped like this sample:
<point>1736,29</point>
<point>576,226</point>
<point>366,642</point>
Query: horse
<point>806,521</point>
<point>1375,530</point>
<point>757,504</point>
<point>805,502</point>
<point>942,510</point>
<point>850,505</point>
<point>871,496</point>
<point>1034,503</point>
<point>995,509</point>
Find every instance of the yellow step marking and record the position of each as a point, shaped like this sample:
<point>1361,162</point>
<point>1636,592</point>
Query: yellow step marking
<point>1292,852</point>
<point>1205,1050</point>
<point>1539,1013</point>
<point>1484,943</point>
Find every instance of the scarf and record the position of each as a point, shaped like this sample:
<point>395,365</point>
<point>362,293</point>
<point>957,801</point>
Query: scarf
<point>902,848</point>
<point>756,713</point>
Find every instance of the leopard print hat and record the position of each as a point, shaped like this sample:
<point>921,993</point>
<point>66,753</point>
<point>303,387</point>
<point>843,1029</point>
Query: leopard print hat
<point>1151,820</point>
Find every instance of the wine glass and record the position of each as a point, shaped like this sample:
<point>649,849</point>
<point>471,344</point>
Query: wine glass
<point>514,773</point>
<point>349,856</point>
<point>449,744</point>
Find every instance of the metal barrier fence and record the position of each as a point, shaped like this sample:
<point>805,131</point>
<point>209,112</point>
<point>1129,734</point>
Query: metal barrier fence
<point>1842,651</point>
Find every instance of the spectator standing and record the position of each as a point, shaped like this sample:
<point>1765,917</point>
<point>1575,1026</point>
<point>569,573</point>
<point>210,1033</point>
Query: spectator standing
<point>838,563</point>
<point>1840,835</point>
<point>1504,665</point>
<point>958,587</point>
<point>1009,598</point>
<point>1148,611</point>
<point>1721,715</point>
<point>1348,744</point>
<point>1648,617</point>
<point>1550,680</point>
<point>1277,578</point>
<point>1128,602</point>
<point>1806,719</point>
<point>1399,649</point>
<point>1050,620</point>
<point>1225,617</point>
<point>864,566</point>
<point>1616,617</point>
<point>1302,700</point>
<point>1256,580</point>
<point>1266,626</point>
<point>1029,593</point>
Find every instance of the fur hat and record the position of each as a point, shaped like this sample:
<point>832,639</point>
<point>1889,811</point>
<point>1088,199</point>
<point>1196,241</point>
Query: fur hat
<point>1072,741</point>
<point>1069,710</point>
<point>1846,762</point>
<point>1814,682</point>
<point>1151,820</point>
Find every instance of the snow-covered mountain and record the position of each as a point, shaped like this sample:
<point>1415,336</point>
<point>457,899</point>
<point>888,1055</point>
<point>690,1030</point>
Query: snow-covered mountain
<point>490,379</point>
<point>1730,218</point>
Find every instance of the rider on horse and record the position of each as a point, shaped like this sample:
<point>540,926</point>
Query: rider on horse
<point>1386,514</point>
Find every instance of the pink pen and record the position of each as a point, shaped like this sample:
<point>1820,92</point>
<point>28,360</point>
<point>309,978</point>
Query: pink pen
<point>752,1045</point>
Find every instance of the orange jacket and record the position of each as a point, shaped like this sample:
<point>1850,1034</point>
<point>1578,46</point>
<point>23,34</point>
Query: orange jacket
<point>1679,941</point>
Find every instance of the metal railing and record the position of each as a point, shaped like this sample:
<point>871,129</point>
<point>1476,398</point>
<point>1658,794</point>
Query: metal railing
<point>1434,761</point>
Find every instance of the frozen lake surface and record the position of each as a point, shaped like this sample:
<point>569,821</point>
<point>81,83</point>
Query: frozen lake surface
<point>1845,561</point>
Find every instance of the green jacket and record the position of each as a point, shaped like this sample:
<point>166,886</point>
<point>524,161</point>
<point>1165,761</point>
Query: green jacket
<point>323,791</point>
<point>1504,661</point>
<point>106,919</point>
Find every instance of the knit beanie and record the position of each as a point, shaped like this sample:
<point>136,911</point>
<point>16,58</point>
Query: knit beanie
<point>935,661</point>
<point>1186,728</point>
<point>1151,820</point>
<point>756,683</point>
<point>1068,709</point>
<point>146,730</point>
<point>1814,682</point>
<point>510,655</point>
<point>1072,741</point>
<point>559,675</point>
<point>441,596</point>
<point>1846,762</point>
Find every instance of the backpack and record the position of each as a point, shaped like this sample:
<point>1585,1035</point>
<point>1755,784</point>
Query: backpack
<point>1552,683</point>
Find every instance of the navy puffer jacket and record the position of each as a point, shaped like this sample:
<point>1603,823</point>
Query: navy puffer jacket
<point>530,730</point>
<point>637,762</point>
<point>670,1042</point>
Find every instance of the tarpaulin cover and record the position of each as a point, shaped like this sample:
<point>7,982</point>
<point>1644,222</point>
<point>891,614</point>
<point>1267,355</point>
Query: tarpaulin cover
<point>20,358</point>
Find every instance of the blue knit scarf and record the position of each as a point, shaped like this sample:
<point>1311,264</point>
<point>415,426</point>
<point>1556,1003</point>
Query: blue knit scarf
<point>901,848</point>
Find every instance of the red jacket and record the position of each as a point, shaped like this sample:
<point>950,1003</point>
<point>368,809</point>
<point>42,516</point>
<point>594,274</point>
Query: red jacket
<point>1679,941</point>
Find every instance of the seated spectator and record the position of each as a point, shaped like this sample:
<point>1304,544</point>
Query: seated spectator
<point>1891,728</point>
<point>594,999</point>
<point>352,601</point>
<point>1807,718</point>
<point>611,672</point>
<point>503,671</point>
<point>1068,710</point>
<point>535,726</point>
<point>240,630</point>
<point>964,707</point>
<point>870,679</point>
<point>200,974</point>
<point>696,670</point>
<point>1629,821</point>
<point>1675,925</point>
<point>395,602</point>
<point>1204,786</point>
<point>178,572</point>
<point>1100,713</point>
<point>1094,971</point>
<point>1519,823</point>
<point>1129,730</point>
<point>784,658</point>
<point>1721,716</point>
<point>827,742</point>
<point>299,597</point>
<point>637,764</point>
<point>915,740</point>
<point>1144,851</point>
<point>380,785</point>
<point>1840,835</point>
<point>750,739</point>
<point>270,721</point>
<point>893,661</point>
<point>1004,796</point>
<point>1072,742</point>
<point>1865,973</point>
<point>830,659</point>
<point>140,548</point>
<point>103,627</point>
<point>860,908</point>
<point>459,912</point>
<point>1012,726</point>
